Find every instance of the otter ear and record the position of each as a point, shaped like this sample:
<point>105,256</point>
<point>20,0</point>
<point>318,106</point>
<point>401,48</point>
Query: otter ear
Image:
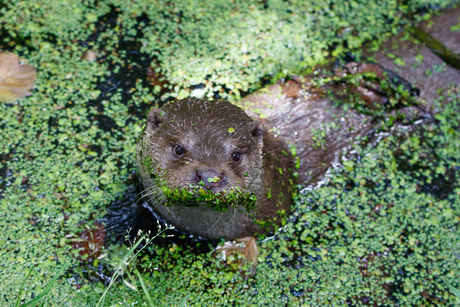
<point>257,131</point>
<point>155,117</point>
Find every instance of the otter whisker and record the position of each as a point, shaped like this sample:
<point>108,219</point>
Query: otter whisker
<point>159,201</point>
<point>253,179</point>
<point>234,214</point>
<point>222,214</point>
<point>148,192</point>
<point>152,192</point>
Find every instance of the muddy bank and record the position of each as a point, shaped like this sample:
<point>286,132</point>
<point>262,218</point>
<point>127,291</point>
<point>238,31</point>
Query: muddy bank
<point>422,67</point>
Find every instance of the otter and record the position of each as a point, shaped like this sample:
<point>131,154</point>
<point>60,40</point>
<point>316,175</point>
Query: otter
<point>194,149</point>
<point>218,170</point>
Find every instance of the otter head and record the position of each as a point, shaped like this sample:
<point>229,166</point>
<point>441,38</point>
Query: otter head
<point>199,151</point>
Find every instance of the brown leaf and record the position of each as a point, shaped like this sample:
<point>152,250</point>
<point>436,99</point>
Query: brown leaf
<point>291,89</point>
<point>90,242</point>
<point>90,55</point>
<point>15,80</point>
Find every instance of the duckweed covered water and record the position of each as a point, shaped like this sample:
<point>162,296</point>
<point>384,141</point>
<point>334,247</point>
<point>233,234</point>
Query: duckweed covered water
<point>379,232</point>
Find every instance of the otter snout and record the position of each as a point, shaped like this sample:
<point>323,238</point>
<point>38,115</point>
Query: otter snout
<point>210,177</point>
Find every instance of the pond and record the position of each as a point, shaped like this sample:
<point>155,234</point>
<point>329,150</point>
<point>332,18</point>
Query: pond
<point>375,225</point>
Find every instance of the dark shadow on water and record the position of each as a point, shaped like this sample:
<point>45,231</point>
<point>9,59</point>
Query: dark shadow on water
<point>129,214</point>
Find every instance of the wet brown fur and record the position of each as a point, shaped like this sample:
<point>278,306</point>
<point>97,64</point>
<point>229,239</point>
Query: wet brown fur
<point>201,127</point>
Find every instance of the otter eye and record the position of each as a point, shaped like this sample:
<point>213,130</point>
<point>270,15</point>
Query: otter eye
<point>236,156</point>
<point>179,150</point>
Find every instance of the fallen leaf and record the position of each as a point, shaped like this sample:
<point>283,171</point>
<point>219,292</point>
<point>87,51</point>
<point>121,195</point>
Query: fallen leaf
<point>90,55</point>
<point>15,80</point>
<point>90,242</point>
<point>291,89</point>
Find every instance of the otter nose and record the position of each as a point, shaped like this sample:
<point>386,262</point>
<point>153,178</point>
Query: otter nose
<point>210,177</point>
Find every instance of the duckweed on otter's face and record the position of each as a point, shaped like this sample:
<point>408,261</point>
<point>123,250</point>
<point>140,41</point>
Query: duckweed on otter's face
<point>194,195</point>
